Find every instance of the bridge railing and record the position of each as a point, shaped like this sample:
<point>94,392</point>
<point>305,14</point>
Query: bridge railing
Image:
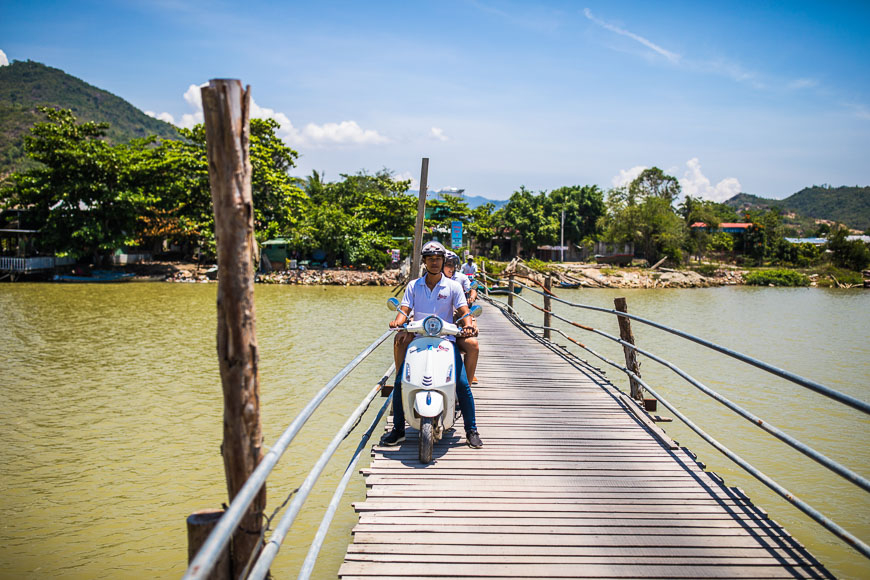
<point>820,458</point>
<point>208,555</point>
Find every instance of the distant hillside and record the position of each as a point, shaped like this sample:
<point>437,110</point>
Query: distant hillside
<point>26,85</point>
<point>847,205</point>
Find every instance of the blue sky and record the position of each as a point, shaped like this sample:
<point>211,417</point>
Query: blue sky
<point>760,97</point>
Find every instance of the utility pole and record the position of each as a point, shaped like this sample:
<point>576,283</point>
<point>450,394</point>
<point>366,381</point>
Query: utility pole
<point>421,212</point>
<point>562,240</point>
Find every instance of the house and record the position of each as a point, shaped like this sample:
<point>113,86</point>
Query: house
<point>727,227</point>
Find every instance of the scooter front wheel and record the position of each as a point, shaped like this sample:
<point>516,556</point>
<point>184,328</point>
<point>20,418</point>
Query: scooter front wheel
<point>427,439</point>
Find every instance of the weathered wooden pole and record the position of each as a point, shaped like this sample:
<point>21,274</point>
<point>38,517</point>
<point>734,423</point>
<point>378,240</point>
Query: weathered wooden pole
<point>226,108</point>
<point>511,290</point>
<point>416,259</point>
<point>631,361</point>
<point>548,283</point>
<point>199,526</point>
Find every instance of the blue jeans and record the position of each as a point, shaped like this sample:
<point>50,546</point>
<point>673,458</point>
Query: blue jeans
<point>463,395</point>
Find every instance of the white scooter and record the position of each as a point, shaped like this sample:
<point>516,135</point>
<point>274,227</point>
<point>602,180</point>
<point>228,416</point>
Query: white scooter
<point>429,378</point>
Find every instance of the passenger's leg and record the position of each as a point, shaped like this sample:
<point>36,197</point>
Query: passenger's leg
<point>470,347</point>
<point>463,394</point>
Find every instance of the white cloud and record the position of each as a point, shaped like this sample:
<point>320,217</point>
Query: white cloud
<point>803,84</point>
<point>312,135</point>
<point>405,176</point>
<point>671,56</point>
<point>346,132</point>
<point>626,176</point>
<point>162,116</point>
<point>694,183</point>
<point>438,133</point>
<point>3,60</point>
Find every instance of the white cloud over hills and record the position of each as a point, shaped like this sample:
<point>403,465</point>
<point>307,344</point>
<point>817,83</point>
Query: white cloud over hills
<point>311,135</point>
<point>3,59</point>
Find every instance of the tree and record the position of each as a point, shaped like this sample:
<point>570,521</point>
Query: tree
<point>355,220</point>
<point>643,214</point>
<point>653,182</point>
<point>851,254</point>
<point>86,194</point>
<point>526,216</point>
<point>583,206</point>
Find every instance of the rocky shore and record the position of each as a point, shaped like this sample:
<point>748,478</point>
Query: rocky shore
<point>579,275</point>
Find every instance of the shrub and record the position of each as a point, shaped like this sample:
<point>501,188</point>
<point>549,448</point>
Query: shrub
<point>492,268</point>
<point>538,265</point>
<point>777,278</point>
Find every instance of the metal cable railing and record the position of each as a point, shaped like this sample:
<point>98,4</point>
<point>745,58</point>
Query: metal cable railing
<point>210,551</point>
<point>789,376</point>
<point>830,464</point>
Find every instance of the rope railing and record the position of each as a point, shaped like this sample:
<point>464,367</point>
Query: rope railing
<point>210,551</point>
<point>830,464</point>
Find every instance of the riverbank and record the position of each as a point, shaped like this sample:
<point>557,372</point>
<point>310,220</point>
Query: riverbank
<point>577,275</point>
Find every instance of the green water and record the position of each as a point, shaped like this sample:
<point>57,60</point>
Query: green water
<point>111,418</point>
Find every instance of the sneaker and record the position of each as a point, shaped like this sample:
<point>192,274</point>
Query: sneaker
<point>472,438</point>
<point>473,380</point>
<point>392,438</point>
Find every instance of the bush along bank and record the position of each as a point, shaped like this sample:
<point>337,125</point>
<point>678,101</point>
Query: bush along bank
<point>776,278</point>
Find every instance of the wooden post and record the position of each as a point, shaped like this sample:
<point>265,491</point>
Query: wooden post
<point>199,526</point>
<point>226,108</point>
<point>631,361</point>
<point>483,281</point>
<point>421,214</point>
<point>511,290</point>
<point>548,283</point>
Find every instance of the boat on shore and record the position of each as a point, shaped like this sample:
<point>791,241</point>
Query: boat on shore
<point>620,259</point>
<point>505,290</point>
<point>97,276</point>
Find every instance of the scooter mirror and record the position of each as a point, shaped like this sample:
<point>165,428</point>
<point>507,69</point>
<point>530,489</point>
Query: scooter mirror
<point>476,310</point>
<point>474,284</point>
<point>393,303</point>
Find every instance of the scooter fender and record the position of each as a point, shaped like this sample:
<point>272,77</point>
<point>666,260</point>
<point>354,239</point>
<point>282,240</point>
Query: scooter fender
<point>428,403</point>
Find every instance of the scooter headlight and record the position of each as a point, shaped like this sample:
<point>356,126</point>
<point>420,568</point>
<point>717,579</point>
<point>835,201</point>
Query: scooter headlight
<point>432,325</point>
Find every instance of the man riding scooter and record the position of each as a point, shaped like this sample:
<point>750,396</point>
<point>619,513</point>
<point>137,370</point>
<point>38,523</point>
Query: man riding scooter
<point>468,345</point>
<point>433,294</point>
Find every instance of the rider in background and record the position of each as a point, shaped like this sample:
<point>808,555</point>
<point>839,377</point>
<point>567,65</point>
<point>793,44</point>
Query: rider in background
<point>432,294</point>
<point>469,269</point>
<point>469,346</point>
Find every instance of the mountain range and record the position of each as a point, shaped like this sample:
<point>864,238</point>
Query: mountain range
<point>25,85</point>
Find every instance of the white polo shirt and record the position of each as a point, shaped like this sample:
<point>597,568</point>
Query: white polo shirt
<point>442,300</point>
<point>469,269</point>
<point>463,281</point>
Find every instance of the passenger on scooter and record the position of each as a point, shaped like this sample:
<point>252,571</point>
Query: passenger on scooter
<point>469,345</point>
<point>431,294</point>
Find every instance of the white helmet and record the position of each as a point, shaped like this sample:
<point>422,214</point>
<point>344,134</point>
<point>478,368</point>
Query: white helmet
<point>433,249</point>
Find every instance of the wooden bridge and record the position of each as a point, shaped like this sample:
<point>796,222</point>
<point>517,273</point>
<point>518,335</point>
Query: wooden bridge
<point>573,481</point>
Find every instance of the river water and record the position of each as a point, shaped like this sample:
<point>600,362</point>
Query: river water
<point>110,425</point>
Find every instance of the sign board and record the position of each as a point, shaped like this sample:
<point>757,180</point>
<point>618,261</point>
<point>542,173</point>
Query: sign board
<point>456,235</point>
<point>395,256</point>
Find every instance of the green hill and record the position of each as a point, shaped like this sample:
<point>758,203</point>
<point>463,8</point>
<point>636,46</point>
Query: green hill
<point>847,205</point>
<point>26,85</point>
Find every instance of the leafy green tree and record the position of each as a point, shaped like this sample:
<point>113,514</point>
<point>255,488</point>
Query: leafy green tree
<point>850,254</point>
<point>526,216</point>
<point>355,220</point>
<point>583,206</point>
<point>643,214</point>
<point>763,238</point>
<point>653,182</point>
<point>85,194</point>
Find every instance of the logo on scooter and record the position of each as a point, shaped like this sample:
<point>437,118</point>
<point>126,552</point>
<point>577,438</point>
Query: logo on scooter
<point>443,348</point>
